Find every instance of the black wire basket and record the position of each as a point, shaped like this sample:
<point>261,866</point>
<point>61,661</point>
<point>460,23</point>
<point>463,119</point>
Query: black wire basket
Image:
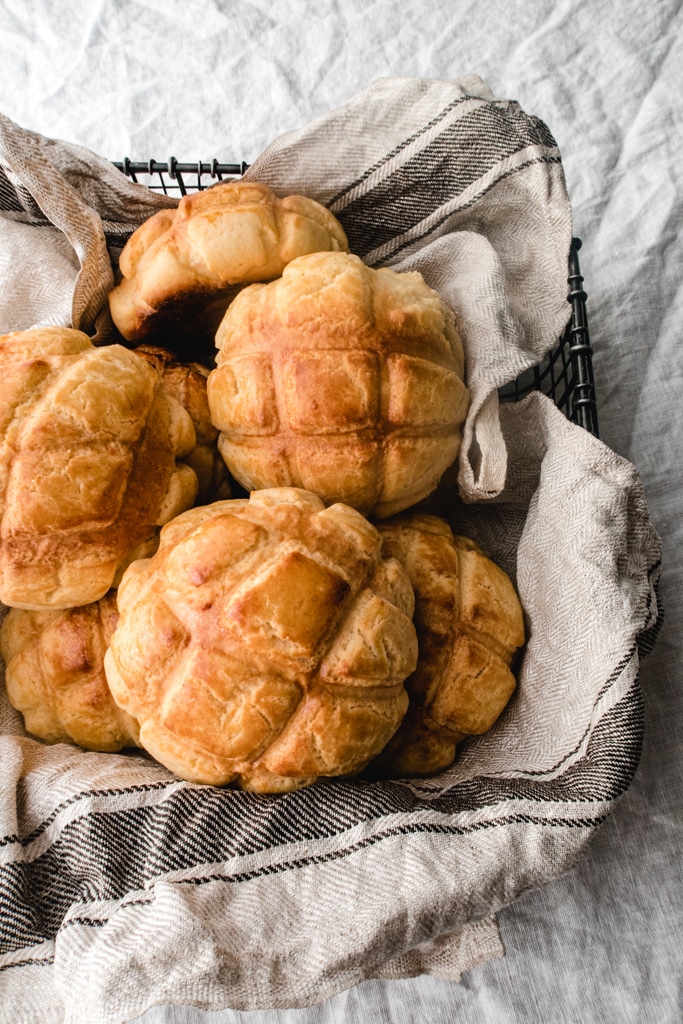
<point>566,373</point>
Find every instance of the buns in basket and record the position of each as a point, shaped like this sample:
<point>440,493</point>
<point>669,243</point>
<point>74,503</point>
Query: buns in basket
<point>340,379</point>
<point>266,642</point>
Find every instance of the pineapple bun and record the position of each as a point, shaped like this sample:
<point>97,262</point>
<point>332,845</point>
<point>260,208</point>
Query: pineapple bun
<point>186,382</point>
<point>265,643</point>
<point>469,624</point>
<point>342,380</point>
<point>88,470</point>
<point>55,675</point>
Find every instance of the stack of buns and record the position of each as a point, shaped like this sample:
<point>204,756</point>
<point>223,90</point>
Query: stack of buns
<point>276,639</point>
<point>182,267</point>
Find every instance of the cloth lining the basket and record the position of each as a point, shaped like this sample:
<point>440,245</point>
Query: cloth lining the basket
<point>132,888</point>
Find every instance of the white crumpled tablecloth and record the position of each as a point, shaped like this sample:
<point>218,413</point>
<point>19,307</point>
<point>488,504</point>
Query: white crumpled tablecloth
<point>220,78</point>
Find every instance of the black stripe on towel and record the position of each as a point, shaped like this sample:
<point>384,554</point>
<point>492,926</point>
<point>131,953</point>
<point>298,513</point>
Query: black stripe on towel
<point>9,200</point>
<point>110,855</point>
<point>18,199</point>
<point>461,155</point>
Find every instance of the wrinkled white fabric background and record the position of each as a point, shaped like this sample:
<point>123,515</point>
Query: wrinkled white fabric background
<point>223,78</point>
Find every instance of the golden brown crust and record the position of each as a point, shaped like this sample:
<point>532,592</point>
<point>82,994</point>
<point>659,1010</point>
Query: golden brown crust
<point>55,675</point>
<point>341,379</point>
<point>88,446</point>
<point>469,624</point>
<point>188,263</point>
<point>186,383</point>
<point>266,642</point>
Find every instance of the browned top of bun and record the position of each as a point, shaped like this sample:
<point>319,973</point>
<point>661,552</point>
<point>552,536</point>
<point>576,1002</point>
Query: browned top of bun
<point>341,379</point>
<point>88,445</point>
<point>181,261</point>
<point>266,642</point>
<point>469,624</point>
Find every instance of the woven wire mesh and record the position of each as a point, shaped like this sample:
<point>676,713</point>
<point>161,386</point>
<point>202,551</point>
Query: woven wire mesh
<point>177,179</point>
<point>566,373</point>
<point>554,377</point>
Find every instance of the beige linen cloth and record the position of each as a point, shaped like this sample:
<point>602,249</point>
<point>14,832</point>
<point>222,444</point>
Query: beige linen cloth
<point>122,887</point>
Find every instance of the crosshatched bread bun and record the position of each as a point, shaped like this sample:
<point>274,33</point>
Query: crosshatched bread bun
<point>88,471</point>
<point>55,675</point>
<point>469,624</point>
<point>266,642</point>
<point>181,267</point>
<point>186,382</point>
<point>340,379</point>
